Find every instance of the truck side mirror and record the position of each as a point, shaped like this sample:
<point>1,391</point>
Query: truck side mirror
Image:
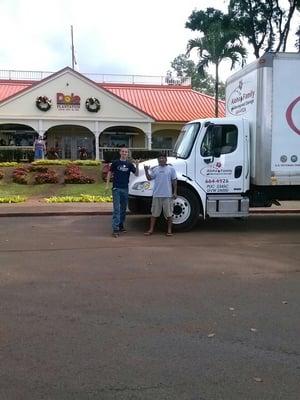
<point>217,153</point>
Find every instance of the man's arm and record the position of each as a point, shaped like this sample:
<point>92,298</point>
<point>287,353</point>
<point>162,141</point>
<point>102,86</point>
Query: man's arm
<point>174,184</point>
<point>108,176</point>
<point>148,176</point>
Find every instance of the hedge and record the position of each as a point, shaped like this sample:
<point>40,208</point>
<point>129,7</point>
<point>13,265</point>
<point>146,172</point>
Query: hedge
<point>86,163</point>
<point>17,155</point>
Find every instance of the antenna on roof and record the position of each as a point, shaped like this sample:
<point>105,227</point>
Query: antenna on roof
<point>74,62</point>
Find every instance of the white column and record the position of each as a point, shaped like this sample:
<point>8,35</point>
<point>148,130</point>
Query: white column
<point>97,135</point>
<point>97,146</point>
<point>41,129</point>
<point>148,139</point>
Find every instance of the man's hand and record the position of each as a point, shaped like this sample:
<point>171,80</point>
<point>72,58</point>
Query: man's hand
<point>174,196</point>
<point>146,168</point>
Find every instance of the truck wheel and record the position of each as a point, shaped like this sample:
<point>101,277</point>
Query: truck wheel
<point>186,210</point>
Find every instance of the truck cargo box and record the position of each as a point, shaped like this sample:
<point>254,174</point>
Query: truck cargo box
<point>267,94</point>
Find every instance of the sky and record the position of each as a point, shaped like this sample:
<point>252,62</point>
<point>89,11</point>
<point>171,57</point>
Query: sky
<point>139,37</point>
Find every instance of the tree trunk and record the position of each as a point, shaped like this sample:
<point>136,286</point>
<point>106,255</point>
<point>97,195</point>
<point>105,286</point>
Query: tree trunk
<point>217,91</point>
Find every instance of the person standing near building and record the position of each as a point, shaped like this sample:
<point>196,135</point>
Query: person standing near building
<point>164,191</point>
<point>39,148</point>
<point>121,170</point>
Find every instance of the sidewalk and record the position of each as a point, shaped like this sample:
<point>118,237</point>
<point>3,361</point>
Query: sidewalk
<point>39,208</point>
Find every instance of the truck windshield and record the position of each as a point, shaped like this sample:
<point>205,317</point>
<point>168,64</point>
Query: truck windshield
<point>185,141</point>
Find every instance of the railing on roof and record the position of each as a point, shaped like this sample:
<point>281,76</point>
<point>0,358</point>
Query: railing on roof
<point>100,78</point>
<point>15,75</point>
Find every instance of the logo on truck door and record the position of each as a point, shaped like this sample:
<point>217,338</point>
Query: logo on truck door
<point>289,115</point>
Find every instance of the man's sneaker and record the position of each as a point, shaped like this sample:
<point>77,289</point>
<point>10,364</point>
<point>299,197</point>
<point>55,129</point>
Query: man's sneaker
<point>115,234</point>
<point>122,229</point>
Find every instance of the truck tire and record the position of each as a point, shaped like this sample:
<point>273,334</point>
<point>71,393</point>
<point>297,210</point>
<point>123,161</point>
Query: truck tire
<point>186,210</point>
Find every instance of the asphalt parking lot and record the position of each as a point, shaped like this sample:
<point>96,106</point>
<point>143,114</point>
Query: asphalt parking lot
<point>211,314</point>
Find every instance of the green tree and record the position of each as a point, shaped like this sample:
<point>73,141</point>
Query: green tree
<point>186,68</point>
<point>264,23</point>
<point>215,46</point>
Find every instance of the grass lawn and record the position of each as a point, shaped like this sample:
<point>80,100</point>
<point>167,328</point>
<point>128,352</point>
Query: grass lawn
<point>97,189</point>
<point>9,188</point>
<point>48,190</point>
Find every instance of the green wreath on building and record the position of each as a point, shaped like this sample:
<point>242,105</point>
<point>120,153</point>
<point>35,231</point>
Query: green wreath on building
<point>43,103</point>
<point>92,104</point>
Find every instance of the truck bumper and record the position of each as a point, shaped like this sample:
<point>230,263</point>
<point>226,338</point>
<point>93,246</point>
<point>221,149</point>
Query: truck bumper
<point>139,204</point>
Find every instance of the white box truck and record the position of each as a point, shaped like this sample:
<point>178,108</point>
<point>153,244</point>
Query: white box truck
<point>250,158</point>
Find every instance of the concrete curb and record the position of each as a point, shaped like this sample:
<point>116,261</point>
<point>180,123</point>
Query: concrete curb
<point>54,213</point>
<point>78,213</point>
<point>274,211</point>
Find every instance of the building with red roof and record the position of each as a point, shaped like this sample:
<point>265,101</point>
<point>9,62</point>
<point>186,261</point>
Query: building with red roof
<point>73,111</point>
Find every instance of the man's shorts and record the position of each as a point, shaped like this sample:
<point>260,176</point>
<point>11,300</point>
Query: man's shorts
<point>160,204</point>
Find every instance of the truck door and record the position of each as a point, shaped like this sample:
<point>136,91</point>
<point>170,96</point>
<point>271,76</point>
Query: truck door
<point>220,159</point>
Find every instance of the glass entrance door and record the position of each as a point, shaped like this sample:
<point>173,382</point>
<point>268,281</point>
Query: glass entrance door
<point>84,144</point>
<point>73,146</point>
<point>67,148</point>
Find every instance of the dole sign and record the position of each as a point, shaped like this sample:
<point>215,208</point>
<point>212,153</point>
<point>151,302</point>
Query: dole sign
<point>68,102</point>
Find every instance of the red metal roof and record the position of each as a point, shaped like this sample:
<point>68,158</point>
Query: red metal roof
<point>167,103</point>
<point>162,103</point>
<point>9,88</point>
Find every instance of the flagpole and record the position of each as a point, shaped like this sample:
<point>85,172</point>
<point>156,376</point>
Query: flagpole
<point>72,47</point>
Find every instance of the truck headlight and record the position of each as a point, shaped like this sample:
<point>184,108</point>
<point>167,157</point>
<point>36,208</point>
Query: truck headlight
<point>141,186</point>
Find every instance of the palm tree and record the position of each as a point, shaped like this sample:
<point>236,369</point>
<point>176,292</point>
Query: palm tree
<point>217,45</point>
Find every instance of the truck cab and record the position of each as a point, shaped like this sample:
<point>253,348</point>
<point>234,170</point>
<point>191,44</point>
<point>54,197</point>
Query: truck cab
<point>212,162</point>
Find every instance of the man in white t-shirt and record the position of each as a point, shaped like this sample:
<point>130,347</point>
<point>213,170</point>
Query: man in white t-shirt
<point>164,191</point>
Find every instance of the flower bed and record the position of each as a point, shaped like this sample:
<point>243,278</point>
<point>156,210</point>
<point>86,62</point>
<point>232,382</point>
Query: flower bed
<point>12,199</point>
<point>8,164</point>
<point>67,162</point>
<point>84,198</point>
<point>73,174</point>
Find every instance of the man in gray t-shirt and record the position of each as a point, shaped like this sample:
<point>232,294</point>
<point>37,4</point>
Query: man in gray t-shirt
<point>165,180</point>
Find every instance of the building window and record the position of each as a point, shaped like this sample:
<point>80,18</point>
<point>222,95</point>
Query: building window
<point>161,142</point>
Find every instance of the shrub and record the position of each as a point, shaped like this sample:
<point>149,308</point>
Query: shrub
<point>12,199</point>
<point>83,198</point>
<point>38,168</point>
<point>20,175</point>
<point>67,162</point>
<point>51,162</point>
<point>8,164</point>
<point>87,163</point>
<point>74,178</point>
<point>73,174</point>
<point>46,177</point>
